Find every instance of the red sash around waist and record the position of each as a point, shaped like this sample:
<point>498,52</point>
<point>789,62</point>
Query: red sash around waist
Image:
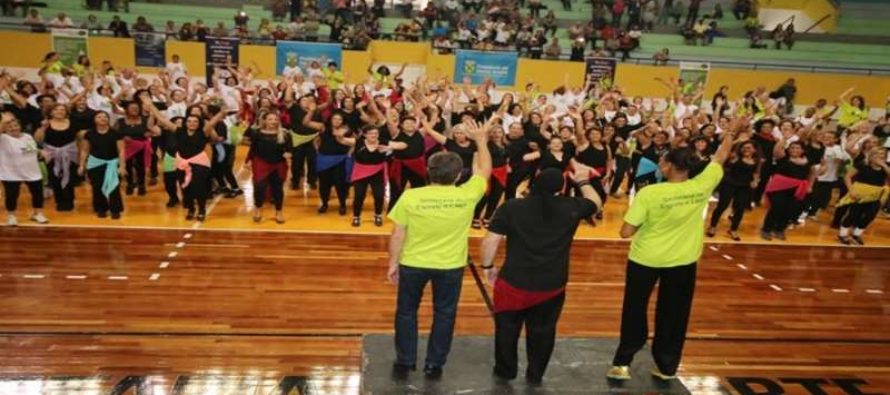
<point>510,298</point>
<point>416,166</point>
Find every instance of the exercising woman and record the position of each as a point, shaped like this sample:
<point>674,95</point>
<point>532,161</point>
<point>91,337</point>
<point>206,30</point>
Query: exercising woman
<point>270,146</point>
<point>867,184</point>
<point>740,178</point>
<point>786,189</point>
<point>369,170</point>
<point>102,158</point>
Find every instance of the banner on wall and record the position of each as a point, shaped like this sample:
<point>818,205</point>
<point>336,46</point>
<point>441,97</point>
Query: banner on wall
<point>150,49</point>
<point>219,53</point>
<point>69,44</point>
<point>295,53</point>
<point>693,75</point>
<point>478,65</point>
<point>601,71</point>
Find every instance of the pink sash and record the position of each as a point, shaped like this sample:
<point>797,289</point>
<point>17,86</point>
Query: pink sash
<point>133,147</point>
<point>361,171</point>
<point>779,182</point>
<point>186,165</point>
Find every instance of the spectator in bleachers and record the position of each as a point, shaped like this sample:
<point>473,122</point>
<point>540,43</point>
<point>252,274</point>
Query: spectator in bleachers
<point>295,28</point>
<point>553,51</point>
<point>741,9</point>
<point>264,30</point>
<point>9,7</point>
<point>634,12</point>
<point>92,24</point>
<point>241,18</point>
<point>650,13</point>
<point>662,57</point>
<point>536,46</point>
<point>429,14</point>
<point>692,11</point>
<point>143,26</point>
<point>578,46</point>
<point>118,27</point>
<point>618,8</point>
<point>778,36</point>
<point>535,6</point>
<point>170,29</point>
<point>279,33</point>
<point>676,11</point>
<point>187,32</point>
<point>35,21</point>
<point>752,24</point>
<point>566,5</point>
<point>61,21</point>
<point>548,23</point>
<point>201,30</point>
<point>789,35</point>
<point>279,10</point>
<point>757,40</point>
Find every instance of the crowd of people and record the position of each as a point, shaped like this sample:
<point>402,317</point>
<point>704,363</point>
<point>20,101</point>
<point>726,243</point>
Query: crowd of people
<point>122,130</point>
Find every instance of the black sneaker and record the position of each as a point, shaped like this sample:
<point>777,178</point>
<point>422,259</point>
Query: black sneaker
<point>858,240</point>
<point>341,210</point>
<point>201,217</point>
<point>234,193</point>
<point>115,215</point>
<point>533,381</point>
<point>432,372</point>
<point>153,181</point>
<point>141,190</point>
<point>356,221</point>
<point>102,214</point>
<point>172,203</point>
<point>400,372</point>
<point>323,209</point>
<point>378,220</point>
<point>190,215</point>
<point>130,190</point>
<point>313,186</point>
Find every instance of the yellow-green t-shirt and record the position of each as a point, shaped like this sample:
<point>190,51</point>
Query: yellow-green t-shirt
<point>334,78</point>
<point>437,222</point>
<point>670,221</point>
<point>850,115</point>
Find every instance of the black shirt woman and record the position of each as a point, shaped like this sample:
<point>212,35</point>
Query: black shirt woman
<point>102,159</point>
<point>740,177</point>
<point>192,158</point>
<point>333,162</point>
<point>867,185</point>
<point>459,143</point>
<point>786,189</point>
<point>518,170</point>
<point>60,150</point>
<point>167,145</point>
<point>134,129</point>
<point>595,154</point>
<point>407,165</point>
<point>497,183</point>
<point>369,170</point>
<point>269,150</point>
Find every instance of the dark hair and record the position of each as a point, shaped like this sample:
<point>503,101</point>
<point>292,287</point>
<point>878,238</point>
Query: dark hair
<point>683,158</point>
<point>861,101</point>
<point>444,168</point>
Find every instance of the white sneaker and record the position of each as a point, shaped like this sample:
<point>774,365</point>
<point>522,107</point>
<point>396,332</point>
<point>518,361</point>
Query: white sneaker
<point>40,219</point>
<point>11,221</point>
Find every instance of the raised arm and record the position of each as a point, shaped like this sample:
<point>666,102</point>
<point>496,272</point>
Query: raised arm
<point>482,164</point>
<point>725,148</point>
<point>159,117</point>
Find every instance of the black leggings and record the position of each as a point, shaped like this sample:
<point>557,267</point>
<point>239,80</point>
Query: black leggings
<point>540,337</point>
<point>222,171</point>
<point>490,201</point>
<point>675,290</point>
<point>783,208</point>
<point>333,177</point>
<point>64,196</point>
<point>303,155</point>
<point>821,196</point>
<point>12,193</point>
<point>136,171</point>
<point>171,183</point>
<point>858,215</point>
<point>360,188</point>
<point>408,176</point>
<point>101,203</point>
<point>275,185</point>
<point>739,196</point>
<point>197,190</point>
<point>622,166</point>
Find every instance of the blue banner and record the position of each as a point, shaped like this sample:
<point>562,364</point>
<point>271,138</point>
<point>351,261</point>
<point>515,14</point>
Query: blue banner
<point>150,49</point>
<point>220,52</point>
<point>478,65</point>
<point>290,53</point>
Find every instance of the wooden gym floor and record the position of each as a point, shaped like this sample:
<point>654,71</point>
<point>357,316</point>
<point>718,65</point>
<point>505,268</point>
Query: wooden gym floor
<point>152,304</point>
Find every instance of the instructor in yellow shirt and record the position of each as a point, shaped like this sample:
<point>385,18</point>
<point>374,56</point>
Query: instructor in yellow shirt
<point>429,244</point>
<point>666,223</point>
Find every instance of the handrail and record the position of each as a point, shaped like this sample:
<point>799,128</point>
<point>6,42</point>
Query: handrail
<point>823,19</point>
<point>635,57</point>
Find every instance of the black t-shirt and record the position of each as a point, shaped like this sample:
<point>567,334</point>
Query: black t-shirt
<point>330,146</point>
<point>548,160</point>
<point>532,133</point>
<point>190,146</point>
<point>539,234</point>
<point>60,138</point>
<point>103,145</point>
<point>516,149</point>
<point>415,146</point>
<point>222,130</point>
<point>83,120</point>
<point>352,119</point>
<point>364,156</point>
<point>135,132</point>
<point>266,146</point>
<point>465,153</point>
<point>498,154</point>
<point>296,120</point>
<point>168,142</point>
<point>814,154</point>
<point>868,175</point>
<point>787,168</point>
<point>766,145</point>
<point>739,173</point>
<point>592,157</point>
<point>29,117</point>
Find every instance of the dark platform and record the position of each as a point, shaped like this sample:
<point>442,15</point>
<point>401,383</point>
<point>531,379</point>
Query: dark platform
<point>578,366</point>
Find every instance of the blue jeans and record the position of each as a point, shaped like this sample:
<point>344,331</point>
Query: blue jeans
<point>446,293</point>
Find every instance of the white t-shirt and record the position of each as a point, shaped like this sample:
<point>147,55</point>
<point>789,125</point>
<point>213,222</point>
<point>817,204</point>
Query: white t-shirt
<point>289,71</point>
<point>682,111</point>
<point>834,158</point>
<point>18,158</point>
<point>176,70</point>
<point>176,110</point>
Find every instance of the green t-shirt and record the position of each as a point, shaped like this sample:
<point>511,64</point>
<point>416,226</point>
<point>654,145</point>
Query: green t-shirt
<point>670,221</point>
<point>437,222</point>
<point>850,115</point>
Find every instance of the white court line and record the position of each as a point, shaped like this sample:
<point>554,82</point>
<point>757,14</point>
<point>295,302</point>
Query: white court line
<point>712,248</point>
<point>76,277</point>
<point>776,287</point>
<point>164,265</point>
<point>757,276</point>
<point>154,277</point>
<point>874,291</point>
<point>118,278</point>
<point>806,290</point>
<point>187,236</point>
<point>727,257</point>
<point>180,244</point>
<point>34,276</point>
<point>172,254</point>
<point>741,266</point>
<point>840,290</point>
